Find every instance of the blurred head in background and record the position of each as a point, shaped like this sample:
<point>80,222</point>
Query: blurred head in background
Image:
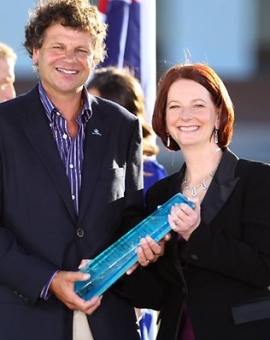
<point>7,72</point>
<point>121,87</point>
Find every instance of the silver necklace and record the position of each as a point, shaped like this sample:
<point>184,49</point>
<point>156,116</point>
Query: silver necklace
<point>203,184</point>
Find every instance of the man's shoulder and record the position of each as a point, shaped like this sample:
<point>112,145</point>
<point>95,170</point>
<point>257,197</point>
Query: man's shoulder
<point>16,108</point>
<point>30,95</point>
<point>111,109</point>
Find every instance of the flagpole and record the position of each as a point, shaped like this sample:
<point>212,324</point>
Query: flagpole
<point>148,54</point>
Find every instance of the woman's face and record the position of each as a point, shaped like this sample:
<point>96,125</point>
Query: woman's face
<point>191,115</point>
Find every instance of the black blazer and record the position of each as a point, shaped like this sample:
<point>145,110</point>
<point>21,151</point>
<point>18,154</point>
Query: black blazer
<point>40,231</point>
<point>227,258</point>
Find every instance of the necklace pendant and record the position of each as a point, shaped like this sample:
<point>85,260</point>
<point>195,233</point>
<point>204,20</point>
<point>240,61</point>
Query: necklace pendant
<point>204,185</point>
<point>193,191</point>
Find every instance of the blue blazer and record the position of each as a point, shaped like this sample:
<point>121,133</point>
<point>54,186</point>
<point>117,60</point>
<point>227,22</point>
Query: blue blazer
<point>40,231</point>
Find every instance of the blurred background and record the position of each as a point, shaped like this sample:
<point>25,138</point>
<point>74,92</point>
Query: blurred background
<point>233,37</point>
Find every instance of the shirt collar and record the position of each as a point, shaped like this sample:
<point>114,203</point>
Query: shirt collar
<point>51,109</point>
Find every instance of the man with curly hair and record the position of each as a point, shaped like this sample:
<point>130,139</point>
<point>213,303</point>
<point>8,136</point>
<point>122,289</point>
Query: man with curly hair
<point>70,185</point>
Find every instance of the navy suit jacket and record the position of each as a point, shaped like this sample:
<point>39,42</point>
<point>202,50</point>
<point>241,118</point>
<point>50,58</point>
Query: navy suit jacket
<point>40,231</point>
<point>227,258</point>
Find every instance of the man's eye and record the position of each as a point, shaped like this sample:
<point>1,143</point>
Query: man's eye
<point>58,47</point>
<point>83,53</point>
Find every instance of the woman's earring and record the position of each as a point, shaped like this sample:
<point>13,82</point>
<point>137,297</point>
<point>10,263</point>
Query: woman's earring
<point>168,140</point>
<point>216,136</point>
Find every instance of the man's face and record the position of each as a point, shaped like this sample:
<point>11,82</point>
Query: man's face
<point>65,60</point>
<point>7,79</point>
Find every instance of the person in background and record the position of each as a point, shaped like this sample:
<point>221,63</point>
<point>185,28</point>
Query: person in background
<point>7,72</point>
<point>69,188</point>
<point>122,87</point>
<point>223,245</point>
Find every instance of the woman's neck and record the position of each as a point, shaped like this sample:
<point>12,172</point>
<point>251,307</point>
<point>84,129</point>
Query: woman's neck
<point>201,163</point>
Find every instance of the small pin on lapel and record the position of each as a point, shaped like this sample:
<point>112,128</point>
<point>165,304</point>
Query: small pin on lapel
<point>96,132</point>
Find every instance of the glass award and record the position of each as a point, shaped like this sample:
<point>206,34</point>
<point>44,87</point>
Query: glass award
<point>113,262</point>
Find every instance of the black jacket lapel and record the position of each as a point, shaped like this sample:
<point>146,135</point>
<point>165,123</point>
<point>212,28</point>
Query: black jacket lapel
<point>37,130</point>
<point>96,139</point>
<point>221,187</point>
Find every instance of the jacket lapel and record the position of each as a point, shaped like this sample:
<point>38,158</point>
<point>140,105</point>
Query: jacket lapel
<point>37,130</point>
<point>221,187</point>
<point>96,139</point>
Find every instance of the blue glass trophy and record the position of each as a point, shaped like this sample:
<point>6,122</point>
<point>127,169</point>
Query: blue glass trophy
<point>113,262</point>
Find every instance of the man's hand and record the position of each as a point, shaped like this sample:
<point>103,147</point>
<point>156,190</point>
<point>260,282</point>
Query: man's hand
<point>62,287</point>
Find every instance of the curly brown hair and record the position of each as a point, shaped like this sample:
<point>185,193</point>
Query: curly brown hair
<point>78,14</point>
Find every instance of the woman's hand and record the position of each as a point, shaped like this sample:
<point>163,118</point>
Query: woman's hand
<point>149,251</point>
<point>183,219</point>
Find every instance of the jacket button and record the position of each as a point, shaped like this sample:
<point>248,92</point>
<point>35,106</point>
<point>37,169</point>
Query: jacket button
<point>194,257</point>
<point>80,232</point>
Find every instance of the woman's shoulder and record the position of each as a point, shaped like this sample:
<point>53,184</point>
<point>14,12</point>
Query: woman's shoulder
<point>161,191</point>
<point>244,166</point>
<point>250,167</point>
<point>253,173</point>
<point>164,185</point>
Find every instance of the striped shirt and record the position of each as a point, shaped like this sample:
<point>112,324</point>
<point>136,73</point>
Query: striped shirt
<point>70,150</point>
